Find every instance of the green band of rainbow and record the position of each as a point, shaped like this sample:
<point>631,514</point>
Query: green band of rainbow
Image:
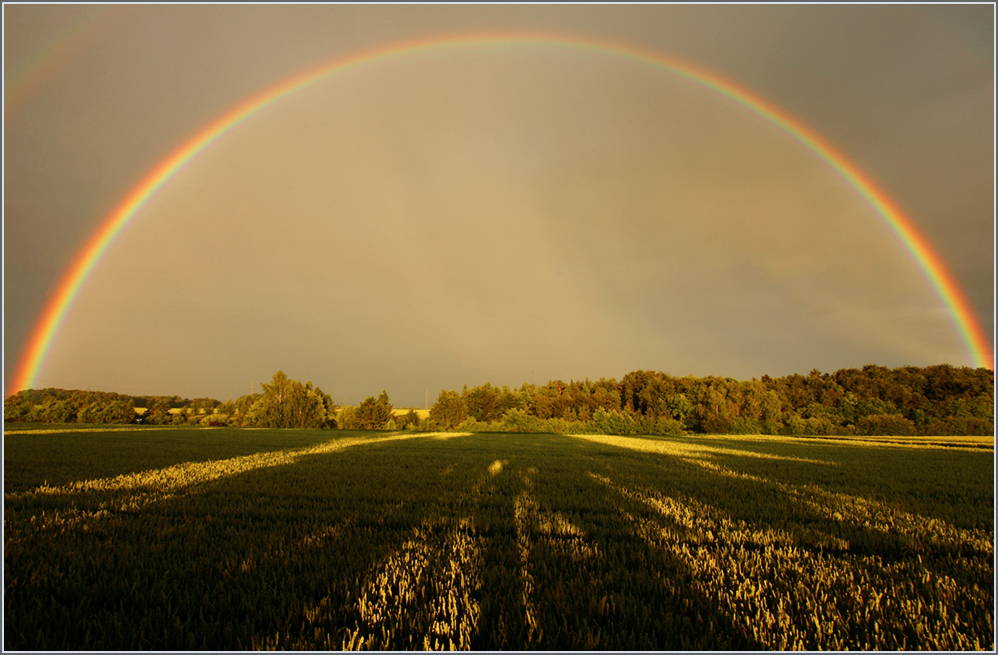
<point>70,284</point>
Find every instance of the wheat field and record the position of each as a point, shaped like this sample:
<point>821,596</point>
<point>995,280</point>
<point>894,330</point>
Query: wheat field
<point>177,538</point>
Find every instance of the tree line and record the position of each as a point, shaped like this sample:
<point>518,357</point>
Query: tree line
<point>873,400</point>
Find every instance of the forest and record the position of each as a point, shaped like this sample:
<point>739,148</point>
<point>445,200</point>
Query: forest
<point>874,400</point>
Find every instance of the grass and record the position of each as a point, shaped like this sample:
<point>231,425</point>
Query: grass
<point>183,538</point>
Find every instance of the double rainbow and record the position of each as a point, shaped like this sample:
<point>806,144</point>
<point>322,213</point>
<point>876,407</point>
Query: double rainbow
<point>54,315</point>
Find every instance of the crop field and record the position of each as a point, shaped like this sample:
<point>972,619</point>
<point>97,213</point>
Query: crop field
<point>222,539</point>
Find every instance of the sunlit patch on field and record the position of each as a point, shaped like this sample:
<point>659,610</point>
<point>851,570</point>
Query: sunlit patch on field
<point>70,428</point>
<point>445,436</point>
<point>423,596</point>
<point>523,507</point>
<point>691,449</point>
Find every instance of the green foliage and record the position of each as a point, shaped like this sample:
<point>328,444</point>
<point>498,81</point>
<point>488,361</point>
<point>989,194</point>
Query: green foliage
<point>63,411</point>
<point>158,414</point>
<point>17,406</point>
<point>407,421</point>
<point>346,418</point>
<point>487,403</point>
<point>374,413</point>
<point>449,411</point>
<point>287,403</point>
<point>894,424</point>
<point>114,411</point>
<point>612,422</point>
<point>742,425</point>
<point>960,425</point>
<point>517,420</point>
<point>935,400</point>
<point>55,406</point>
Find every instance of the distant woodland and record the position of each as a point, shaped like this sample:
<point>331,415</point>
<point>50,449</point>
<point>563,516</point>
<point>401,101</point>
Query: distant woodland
<point>874,400</point>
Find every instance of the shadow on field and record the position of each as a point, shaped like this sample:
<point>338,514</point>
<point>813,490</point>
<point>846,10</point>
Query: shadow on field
<point>484,541</point>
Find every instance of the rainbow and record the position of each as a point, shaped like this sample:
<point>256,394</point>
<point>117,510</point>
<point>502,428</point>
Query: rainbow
<point>24,80</point>
<point>89,256</point>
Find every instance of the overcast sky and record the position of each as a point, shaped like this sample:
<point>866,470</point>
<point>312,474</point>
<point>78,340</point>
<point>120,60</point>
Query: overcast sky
<point>491,212</point>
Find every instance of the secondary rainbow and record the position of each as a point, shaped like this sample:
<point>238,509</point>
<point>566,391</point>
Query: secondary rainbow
<point>89,256</point>
<point>24,80</point>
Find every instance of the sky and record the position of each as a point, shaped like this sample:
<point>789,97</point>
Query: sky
<point>491,210</point>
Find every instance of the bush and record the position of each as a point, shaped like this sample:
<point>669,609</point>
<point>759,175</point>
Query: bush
<point>960,426</point>
<point>565,426</point>
<point>815,426</point>
<point>517,420</point>
<point>407,421</point>
<point>346,419</point>
<point>742,425</point>
<point>612,421</point>
<point>717,425</point>
<point>885,424</point>
<point>663,425</point>
<point>469,424</point>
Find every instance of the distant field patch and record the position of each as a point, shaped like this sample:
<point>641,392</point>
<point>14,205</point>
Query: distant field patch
<point>223,539</point>
<point>421,413</point>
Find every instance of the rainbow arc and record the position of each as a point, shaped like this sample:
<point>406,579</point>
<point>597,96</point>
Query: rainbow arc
<point>89,256</point>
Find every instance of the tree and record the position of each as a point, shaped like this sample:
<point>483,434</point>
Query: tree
<point>374,413</point>
<point>312,407</point>
<point>59,411</point>
<point>483,403</point>
<point>449,411</point>
<point>274,407</point>
<point>287,403</point>
<point>111,411</point>
<point>16,407</point>
<point>158,414</point>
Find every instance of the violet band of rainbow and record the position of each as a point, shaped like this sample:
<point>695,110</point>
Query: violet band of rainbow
<point>70,284</point>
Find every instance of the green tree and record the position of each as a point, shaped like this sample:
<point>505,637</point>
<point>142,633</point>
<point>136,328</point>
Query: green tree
<point>17,407</point>
<point>59,411</point>
<point>158,414</point>
<point>287,403</point>
<point>273,409</point>
<point>111,411</point>
<point>449,411</point>
<point>374,413</point>
<point>484,403</point>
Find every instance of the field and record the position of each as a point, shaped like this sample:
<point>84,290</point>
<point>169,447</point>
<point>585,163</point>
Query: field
<point>221,539</point>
